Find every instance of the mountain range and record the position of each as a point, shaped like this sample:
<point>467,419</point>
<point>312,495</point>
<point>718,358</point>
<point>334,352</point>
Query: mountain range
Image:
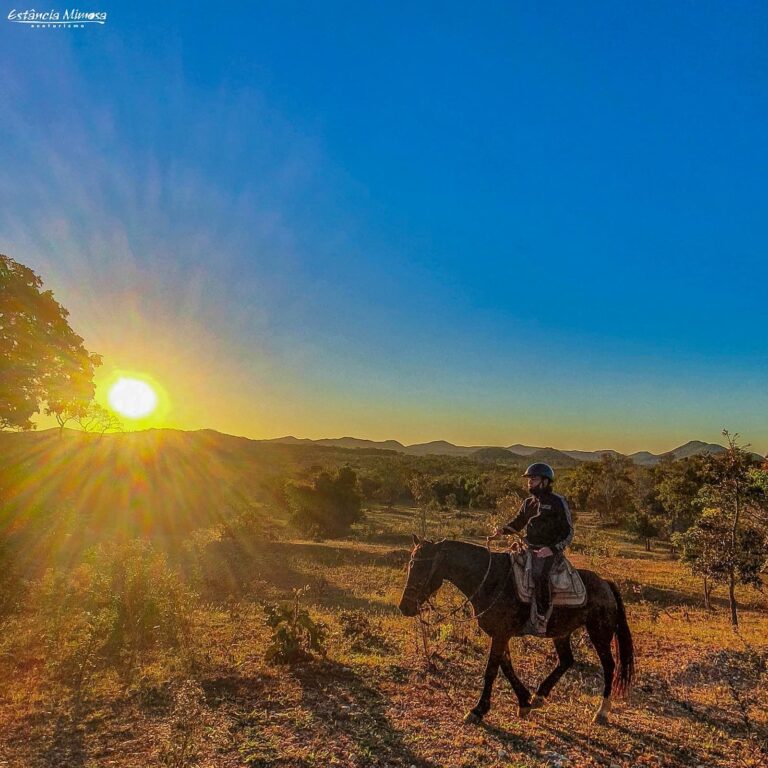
<point>562,458</point>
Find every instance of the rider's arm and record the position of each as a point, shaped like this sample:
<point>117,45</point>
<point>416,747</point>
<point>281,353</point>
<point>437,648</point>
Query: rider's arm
<point>566,542</point>
<point>519,521</point>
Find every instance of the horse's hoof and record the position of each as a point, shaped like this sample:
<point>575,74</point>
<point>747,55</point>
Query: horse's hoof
<point>472,718</point>
<point>601,716</point>
<point>537,702</point>
<point>523,712</point>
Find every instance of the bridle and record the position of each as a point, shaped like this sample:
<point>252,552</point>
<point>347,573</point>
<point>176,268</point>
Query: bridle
<point>420,601</point>
<point>419,597</point>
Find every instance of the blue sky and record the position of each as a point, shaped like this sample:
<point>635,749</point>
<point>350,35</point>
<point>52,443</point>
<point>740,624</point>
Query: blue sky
<point>492,224</point>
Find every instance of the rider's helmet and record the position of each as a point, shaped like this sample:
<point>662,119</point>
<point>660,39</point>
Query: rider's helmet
<point>539,469</point>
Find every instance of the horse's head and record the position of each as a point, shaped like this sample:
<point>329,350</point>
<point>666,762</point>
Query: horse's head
<point>424,575</point>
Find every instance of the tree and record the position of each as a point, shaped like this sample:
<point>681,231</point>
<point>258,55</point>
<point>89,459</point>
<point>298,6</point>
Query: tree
<point>678,482</point>
<point>612,495</point>
<point>42,360</point>
<point>644,526</point>
<point>423,494</point>
<point>605,486</point>
<point>708,549</point>
<point>329,506</point>
<point>97,419</point>
<point>579,484</point>
<point>648,519</point>
<point>728,542</point>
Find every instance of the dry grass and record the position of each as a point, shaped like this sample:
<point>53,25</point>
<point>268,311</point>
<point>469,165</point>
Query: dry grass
<point>699,700</point>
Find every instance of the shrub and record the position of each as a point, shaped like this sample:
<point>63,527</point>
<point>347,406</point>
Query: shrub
<point>363,636</point>
<point>329,506</point>
<point>112,611</point>
<point>185,739</point>
<point>295,635</point>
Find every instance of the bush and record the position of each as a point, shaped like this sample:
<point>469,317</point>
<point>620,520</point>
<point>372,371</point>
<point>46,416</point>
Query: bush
<point>362,634</point>
<point>295,635</point>
<point>111,612</point>
<point>329,506</point>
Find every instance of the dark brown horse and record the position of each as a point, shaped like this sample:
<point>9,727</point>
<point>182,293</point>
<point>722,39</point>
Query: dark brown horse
<point>490,588</point>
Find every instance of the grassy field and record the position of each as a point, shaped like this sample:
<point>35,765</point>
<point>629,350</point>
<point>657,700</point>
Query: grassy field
<point>375,698</point>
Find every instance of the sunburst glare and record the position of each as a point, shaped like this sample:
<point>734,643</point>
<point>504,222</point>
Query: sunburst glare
<point>132,398</point>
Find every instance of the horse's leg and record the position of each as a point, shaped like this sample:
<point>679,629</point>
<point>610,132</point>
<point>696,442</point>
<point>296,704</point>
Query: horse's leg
<point>522,693</point>
<point>478,712</point>
<point>601,634</point>
<point>564,663</point>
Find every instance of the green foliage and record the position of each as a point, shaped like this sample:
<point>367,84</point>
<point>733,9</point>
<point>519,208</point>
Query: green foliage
<point>43,359</point>
<point>112,611</point>
<point>612,496</point>
<point>644,526</point>
<point>295,635</point>
<point>729,541</point>
<point>579,484</point>
<point>605,486</point>
<point>678,483</point>
<point>329,507</point>
<point>706,548</point>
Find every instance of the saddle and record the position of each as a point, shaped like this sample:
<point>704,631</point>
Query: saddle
<point>566,584</point>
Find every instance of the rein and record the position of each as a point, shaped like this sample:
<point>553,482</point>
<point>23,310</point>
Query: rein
<point>467,600</point>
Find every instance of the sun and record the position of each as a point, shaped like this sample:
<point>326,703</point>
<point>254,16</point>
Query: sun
<point>132,398</point>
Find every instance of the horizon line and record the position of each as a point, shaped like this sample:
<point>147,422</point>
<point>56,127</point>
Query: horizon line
<point>392,440</point>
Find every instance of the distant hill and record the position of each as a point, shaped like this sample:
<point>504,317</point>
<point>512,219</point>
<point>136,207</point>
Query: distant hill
<point>694,448</point>
<point>441,448</point>
<point>644,458</point>
<point>591,455</point>
<point>560,458</point>
<point>553,457</point>
<point>496,454</point>
<point>691,448</point>
<point>340,442</point>
<point>523,450</point>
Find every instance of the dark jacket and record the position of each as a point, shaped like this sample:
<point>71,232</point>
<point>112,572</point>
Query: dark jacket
<point>547,520</point>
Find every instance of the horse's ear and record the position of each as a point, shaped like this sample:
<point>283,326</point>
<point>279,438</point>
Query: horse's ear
<point>416,540</point>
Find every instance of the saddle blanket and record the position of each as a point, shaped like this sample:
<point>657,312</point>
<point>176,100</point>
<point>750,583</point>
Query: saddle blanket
<point>565,582</point>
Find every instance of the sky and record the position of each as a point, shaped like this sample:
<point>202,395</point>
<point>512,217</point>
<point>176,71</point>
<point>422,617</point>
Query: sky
<point>491,224</point>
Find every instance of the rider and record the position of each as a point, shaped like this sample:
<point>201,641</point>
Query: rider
<point>549,530</point>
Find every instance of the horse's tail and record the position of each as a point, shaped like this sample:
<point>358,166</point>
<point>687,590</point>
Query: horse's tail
<point>625,662</point>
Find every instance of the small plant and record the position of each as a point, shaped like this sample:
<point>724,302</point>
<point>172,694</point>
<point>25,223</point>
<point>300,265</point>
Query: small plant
<point>186,729</point>
<point>362,634</point>
<point>295,635</point>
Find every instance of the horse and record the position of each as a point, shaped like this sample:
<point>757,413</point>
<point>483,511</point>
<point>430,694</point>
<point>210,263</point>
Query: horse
<point>487,581</point>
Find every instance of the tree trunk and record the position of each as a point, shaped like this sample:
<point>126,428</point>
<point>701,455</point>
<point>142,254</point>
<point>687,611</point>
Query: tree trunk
<point>734,540</point>
<point>732,597</point>
<point>707,590</point>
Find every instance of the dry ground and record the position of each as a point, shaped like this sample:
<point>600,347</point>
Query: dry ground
<point>699,699</point>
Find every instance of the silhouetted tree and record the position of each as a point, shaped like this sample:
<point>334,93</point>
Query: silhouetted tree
<point>42,359</point>
<point>329,506</point>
